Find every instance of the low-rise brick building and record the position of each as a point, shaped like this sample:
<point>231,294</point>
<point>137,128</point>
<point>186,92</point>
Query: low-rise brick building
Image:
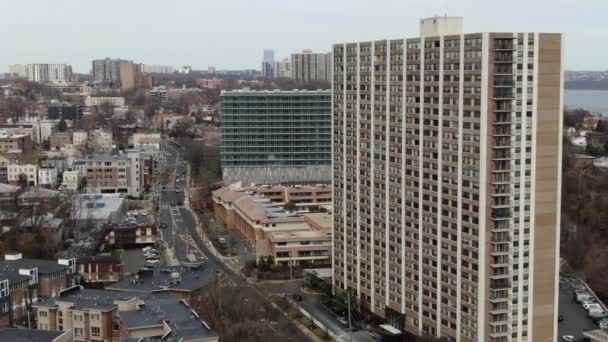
<point>31,280</point>
<point>114,315</point>
<point>59,140</point>
<point>101,269</point>
<point>132,235</point>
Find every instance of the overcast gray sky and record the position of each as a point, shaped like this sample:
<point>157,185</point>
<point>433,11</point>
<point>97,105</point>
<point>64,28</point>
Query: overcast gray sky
<point>231,34</point>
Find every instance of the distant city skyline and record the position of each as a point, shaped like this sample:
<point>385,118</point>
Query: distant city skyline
<point>233,34</point>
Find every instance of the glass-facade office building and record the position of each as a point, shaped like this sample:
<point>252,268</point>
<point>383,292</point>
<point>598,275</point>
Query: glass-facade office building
<point>271,137</point>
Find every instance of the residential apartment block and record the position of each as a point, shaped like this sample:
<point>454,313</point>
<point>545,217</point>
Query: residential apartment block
<point>271,137</point>
<point>26,281</point>
<point>22,173</point>
<point>289,237</point>
<point>47,177</point>
<point>11,142</point>
<point>298,194</point>
<point>311,66</point>
<point>102,315</point>
<point>447,159</point>
<point>53,73</point>
<point>282,69</point>
<point>107,70</point>
<point>116,101</point>
<point>108,174</point>
<point>158,69</point>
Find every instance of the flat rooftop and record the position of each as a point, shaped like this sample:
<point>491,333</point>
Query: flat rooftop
<point>160,308</point>
<point>29,335</point>
<point>43,266</point>
<point>98,206</point>
<point>575,321</point>
<point>161,279</point>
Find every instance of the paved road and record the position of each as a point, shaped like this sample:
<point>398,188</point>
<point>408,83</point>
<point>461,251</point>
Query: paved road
<point>312,304</point>
<point>178,220</point>
<point>183,235</point>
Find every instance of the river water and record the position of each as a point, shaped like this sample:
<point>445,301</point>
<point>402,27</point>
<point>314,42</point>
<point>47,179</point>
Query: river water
<point>593,100</point>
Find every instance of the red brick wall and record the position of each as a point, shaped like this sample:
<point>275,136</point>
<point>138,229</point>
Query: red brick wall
<point>46,285</point>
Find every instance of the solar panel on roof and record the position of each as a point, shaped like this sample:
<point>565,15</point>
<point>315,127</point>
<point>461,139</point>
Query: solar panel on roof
<point>90,205</point>
<point>101,205</point>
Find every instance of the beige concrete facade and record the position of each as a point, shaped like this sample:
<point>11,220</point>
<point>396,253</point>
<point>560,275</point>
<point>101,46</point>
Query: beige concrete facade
<point>447,181</point>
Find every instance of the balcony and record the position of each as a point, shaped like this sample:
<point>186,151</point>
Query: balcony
<point>499,284</point>
<point>503,69</point>
<point>503,44</point>
<point>497,296</point>
<point>501,179</point>
<point>499,261</point>
<point>501,154</point>
<point>498,311</point>
<point>501,131</point>
<point>501,165</point>
<point>504,81</point>
<point>502,118</point>
<point>501,249</point>
<point>503,57</point>
<point>503,93</point>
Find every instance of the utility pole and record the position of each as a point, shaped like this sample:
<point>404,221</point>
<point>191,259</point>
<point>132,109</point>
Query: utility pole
<point>349,319</point>
<point>290,266</point>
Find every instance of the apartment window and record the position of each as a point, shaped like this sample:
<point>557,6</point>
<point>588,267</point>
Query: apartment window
<point>95,331</point>
<point>79,332</point>
<point>43,314</point>
<point>95,317</point>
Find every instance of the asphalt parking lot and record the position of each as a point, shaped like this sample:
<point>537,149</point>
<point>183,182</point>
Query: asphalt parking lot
<point>575,317</point>
<point>132,260</point>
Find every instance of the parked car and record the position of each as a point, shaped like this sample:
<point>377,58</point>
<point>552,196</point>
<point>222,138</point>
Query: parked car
<point>596,313</point>
<point>589,306</point>
<point>163,226</point>
<point>343,320</point>
<point>581,295</point>
<point>568,338</point>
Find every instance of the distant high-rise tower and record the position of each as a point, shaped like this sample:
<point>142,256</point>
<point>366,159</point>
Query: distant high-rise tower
<point>268,64</point>
<point>447,173</point>
<point>309,66</point>
<point>53,73</point>
<point>282,69</point>
<point>107,70</point>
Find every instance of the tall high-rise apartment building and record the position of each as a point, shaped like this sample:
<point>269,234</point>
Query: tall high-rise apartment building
<point>310,66</point>
<point>53,73</point>
<point>158,69</point>
<point>129,75</point>
<point>447,173</point>
<point>271,137</point>
<point>18,70</point>
<point>107,70</point>
<point>282,69</point>
<point>268,64</point>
